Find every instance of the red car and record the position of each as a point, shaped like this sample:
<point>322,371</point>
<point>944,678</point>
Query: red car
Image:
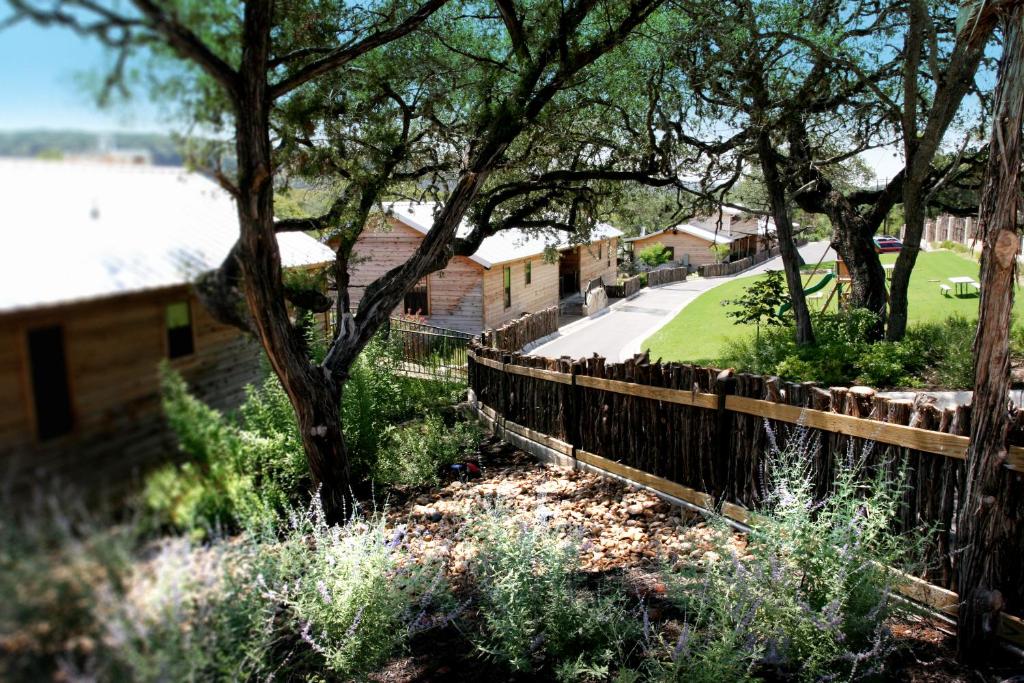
<point>885,244</point>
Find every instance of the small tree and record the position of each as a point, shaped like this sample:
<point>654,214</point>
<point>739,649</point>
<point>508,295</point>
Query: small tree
<point>760,303</point>
<point>720,252</point>
<point>655,255</point>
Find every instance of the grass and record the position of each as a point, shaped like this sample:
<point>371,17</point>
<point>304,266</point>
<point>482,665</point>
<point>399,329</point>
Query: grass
<point>677,340</point>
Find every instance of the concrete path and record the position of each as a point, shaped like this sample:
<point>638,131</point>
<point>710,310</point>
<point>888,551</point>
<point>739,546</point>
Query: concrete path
<point>618,332</point>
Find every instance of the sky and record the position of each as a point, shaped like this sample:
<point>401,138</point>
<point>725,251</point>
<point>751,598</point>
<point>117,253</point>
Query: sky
<point>39,78</point>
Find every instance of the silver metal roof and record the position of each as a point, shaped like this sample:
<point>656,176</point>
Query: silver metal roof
<point>75,231</point>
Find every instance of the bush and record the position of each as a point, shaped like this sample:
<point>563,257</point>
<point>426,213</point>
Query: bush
<point>534,611</point>
<point>305,602</point>
<point>416,452</point>
<point>655,255</point>
<point>240,475</point>
<point>246,472</point>
<point>947,349</point>
<point>931,354</point>
<point>810,599</point>
<point>51,567</point>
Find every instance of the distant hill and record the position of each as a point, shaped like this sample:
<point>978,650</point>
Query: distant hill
<point>52,143</point>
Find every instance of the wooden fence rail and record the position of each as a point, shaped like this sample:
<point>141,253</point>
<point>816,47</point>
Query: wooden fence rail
<point>702,433</point>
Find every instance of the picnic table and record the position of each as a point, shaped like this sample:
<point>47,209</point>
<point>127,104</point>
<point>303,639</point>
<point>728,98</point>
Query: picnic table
<point>961,282</point>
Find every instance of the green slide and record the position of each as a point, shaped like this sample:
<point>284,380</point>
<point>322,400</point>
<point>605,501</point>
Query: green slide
<point>816,287</point>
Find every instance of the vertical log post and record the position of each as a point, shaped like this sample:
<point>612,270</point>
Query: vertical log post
<point>725,384</point>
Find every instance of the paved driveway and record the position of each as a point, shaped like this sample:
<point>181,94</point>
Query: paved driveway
<point>618,332</point>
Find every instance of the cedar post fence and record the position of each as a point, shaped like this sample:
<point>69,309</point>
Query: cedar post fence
<point>515,334</point>
<point>701,436</point>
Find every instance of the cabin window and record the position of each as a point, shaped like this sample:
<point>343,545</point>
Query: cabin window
<point>508,286</point>
<point>50,389</point>
<point>417,299</point>
<point>598,252</point>
<point>180,341</point>
<point>529,272</point>
<point>671,251</point>
<point>609,254</point>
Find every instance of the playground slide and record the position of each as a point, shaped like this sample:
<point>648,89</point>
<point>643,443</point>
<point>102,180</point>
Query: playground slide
<point>816,287</point>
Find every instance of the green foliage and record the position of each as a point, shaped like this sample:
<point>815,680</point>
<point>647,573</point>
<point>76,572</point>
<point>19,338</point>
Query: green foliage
<point>931,354</point>
<point>246,471</point>
<point>946,351</point>
<point>655,255</point>
<point>323,600</point>
<point>760,302</point>
<point>534,610</point>
<point>809,600</point>
<point>51,567</point>
<point>414,453</point>
<point>239,474</point>
<point>720,252</point>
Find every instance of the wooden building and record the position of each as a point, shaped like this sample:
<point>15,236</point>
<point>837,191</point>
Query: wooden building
<point>512,273</point>
<point>691,243</point>
<point>94,294</point>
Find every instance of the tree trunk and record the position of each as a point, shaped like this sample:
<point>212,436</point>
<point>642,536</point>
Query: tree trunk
<point>991,514</point>
<point>899,286</point>
<point>787,247</point>
<point>867,288</point>
<point>314,395</point>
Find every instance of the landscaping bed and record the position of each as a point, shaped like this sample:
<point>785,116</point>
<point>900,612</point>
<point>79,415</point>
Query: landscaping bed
<point>628,536</point>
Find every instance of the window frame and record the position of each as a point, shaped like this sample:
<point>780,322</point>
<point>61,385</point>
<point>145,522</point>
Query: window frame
<point>167,331</point>
<point>506,286</point>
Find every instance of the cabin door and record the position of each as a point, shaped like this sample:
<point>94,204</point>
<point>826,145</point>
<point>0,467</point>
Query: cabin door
<point>569,272</point>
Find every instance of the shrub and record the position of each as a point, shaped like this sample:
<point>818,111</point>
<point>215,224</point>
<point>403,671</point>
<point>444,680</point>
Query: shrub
<point>887,364</point>
<point>534,610</point>
<point>655,255</point>
<point>935,354</point>
<point>51,565</point>
<point>246,472</point>
<point>810,600</point>
<point>948,351</point>
<point>240,474</point>
<point>415,452</point>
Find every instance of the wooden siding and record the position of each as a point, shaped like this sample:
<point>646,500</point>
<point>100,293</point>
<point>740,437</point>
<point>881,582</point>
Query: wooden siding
<point>455,293</point>
<point>526,298</point>
<point>683,243</point>
<point>113,349</point>
<point>592,267</point>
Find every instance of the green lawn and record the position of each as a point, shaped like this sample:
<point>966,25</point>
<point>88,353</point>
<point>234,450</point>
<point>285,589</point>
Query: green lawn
<point>700,331</point>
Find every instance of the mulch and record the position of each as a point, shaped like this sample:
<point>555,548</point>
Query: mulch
<point>627,534</point>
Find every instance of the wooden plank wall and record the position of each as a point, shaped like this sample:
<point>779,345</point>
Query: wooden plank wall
<point>113,351</point>
<point>604,267</point>
<point>541,293</point>
<point>456,293</point>
<point>698,250</point>
<point>712,432</point>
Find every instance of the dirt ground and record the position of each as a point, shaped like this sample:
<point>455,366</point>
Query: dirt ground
<point>626,533</point>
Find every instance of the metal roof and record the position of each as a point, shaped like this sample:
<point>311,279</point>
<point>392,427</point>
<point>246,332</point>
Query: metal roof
<point>75,231</point>
<point>720,237</point>
<point>507,245</point>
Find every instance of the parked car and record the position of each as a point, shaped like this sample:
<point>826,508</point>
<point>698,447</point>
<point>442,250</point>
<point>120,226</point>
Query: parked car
<point>885,244</point>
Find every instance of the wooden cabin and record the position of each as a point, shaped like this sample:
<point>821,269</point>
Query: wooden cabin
<point>691,243</point>
<point>94,295</point>
<point>512,273</point>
